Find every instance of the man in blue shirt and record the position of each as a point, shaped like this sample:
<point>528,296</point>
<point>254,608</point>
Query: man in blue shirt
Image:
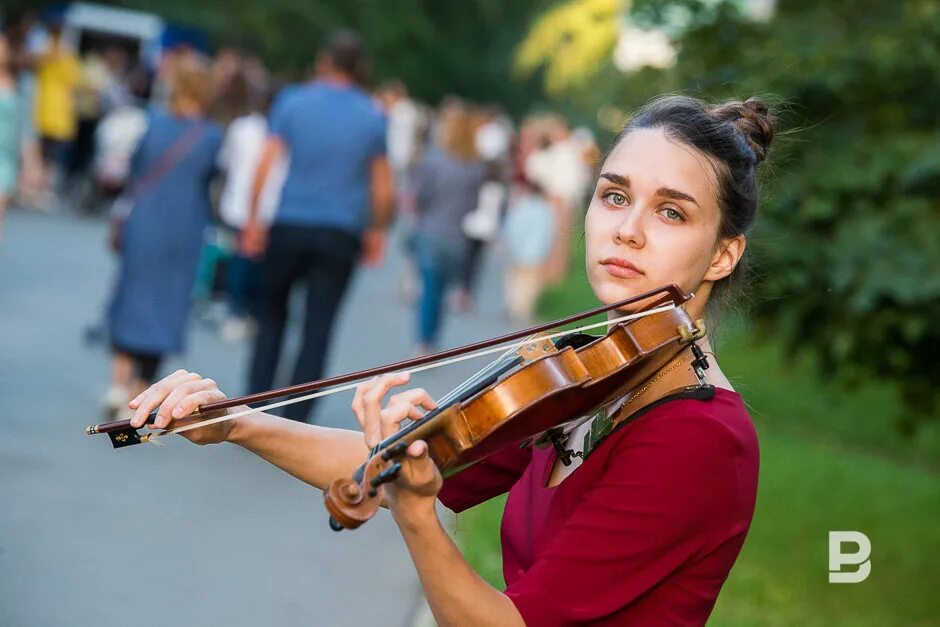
<point>335,207</point>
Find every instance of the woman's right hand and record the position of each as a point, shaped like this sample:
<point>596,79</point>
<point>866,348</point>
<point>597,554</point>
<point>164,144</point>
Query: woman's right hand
<point>177,396</point>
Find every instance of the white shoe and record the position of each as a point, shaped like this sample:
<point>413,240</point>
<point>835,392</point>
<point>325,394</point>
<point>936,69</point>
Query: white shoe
<point>237,329</point>
<point>115,399</point>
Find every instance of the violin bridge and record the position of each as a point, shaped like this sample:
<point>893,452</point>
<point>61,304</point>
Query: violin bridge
<point>537,347</point>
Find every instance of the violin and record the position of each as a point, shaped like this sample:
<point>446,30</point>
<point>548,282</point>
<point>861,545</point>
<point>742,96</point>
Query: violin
<point>533,391</point>
<point>528,395</point>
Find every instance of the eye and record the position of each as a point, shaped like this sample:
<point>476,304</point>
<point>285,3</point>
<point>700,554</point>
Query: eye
<point>615,198</point>
<point>672,214</point>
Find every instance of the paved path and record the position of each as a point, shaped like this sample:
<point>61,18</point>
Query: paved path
<point>176,535</point>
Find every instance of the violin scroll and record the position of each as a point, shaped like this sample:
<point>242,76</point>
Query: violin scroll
<point>352,502</point>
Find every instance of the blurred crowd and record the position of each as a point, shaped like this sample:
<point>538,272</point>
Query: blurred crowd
<point>227,188</point>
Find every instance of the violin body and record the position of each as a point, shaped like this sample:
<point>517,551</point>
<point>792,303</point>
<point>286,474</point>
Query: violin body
<point>548,388</point>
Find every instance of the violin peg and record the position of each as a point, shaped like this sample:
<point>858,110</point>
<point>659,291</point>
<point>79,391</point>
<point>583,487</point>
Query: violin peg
<point>394,451</point>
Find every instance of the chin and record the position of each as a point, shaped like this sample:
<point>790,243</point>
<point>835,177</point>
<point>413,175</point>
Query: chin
<point>609,292</point>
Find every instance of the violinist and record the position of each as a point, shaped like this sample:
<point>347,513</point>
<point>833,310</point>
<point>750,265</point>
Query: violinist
<point>639,527</point>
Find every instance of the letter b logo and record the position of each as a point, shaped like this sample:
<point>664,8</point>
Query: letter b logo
<point>838,559</point>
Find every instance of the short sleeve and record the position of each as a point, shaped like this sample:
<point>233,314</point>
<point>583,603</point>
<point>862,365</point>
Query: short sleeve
<point>380,136</point>
<point>278,118</point>
<point>665,494</point>
<point>486,479</point>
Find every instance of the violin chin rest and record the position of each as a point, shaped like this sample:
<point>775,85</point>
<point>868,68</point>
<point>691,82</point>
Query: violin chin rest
<point>574,340</point>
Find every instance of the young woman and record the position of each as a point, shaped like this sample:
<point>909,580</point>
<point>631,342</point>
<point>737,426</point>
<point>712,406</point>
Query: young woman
<point>447,184</point>
<point>161,238</point>
<point>645,529</point>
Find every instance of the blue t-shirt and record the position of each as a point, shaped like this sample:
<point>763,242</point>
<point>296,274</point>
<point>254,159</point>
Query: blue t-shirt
<point>332,134</point>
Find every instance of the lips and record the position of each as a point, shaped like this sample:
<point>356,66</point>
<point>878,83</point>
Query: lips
<point>621,268</point>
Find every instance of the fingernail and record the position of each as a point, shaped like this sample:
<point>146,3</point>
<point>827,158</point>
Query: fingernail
<point>177,412</point>
<point>133,404</point>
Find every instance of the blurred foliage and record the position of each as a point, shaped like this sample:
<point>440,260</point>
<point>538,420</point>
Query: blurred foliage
<point>570,41</point>
<point>437,47</point>
<point>848,243</point>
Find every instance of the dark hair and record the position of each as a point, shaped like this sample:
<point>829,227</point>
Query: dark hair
<point>736,137</point>
<point>344,50</point>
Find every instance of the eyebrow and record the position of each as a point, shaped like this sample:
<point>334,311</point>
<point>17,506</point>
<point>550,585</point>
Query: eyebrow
<point>616,179</point>
<point>675,195</point>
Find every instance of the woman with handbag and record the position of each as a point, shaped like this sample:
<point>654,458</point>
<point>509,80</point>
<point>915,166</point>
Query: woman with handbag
<point>157,232</point>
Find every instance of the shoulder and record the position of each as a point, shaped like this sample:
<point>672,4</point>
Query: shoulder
<point>699,458</point>
<point>721,421</point>
<point>705,446</point>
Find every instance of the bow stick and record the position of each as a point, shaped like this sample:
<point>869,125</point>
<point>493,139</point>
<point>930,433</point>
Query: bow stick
<point>123,434</point>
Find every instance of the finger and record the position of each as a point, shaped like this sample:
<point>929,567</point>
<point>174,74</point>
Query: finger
<point>416,396</point>
<point>189,404</point>
<point>137,400</point>
<point>418,450</point>
<point>194,383</point>
<point>421,470</point>
<point>393,414</point>
<point>357,405</point>
<point>151,398</point>
<point>372,405</point>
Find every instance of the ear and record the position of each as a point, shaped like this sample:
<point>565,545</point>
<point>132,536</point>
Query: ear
<point>726,258</point>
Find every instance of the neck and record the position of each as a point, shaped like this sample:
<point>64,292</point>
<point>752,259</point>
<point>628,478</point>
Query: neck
<point>332,77</point>
<point>187,110</point>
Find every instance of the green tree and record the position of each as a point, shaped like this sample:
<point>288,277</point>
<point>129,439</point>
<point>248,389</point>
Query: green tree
<point>848,243</point>
<point>437,47</point>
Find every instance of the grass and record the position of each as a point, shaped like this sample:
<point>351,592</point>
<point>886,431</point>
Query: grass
<point>830,460</point>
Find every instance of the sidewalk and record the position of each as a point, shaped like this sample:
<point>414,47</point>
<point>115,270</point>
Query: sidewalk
<point>178,535</point>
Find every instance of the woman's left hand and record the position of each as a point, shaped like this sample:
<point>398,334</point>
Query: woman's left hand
<point>414,493</point>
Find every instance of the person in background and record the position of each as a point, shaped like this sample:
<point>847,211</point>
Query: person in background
<point>447,185</point>
<point>336,141</point>
<point>58,77</point>
<point>528,233</point>
<point>11,132</point>
<point>17,29</point>
<point>160,240</point>
<point>480,227</point>
<point>118,136</point>
<point>560,170</point>
<point>492,138</point>
<point>238,160</point>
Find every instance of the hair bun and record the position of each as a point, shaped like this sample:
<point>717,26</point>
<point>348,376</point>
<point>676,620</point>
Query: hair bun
<point>753,120</point>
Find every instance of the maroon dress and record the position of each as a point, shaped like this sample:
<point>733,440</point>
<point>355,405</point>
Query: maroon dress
<point>643,532</point>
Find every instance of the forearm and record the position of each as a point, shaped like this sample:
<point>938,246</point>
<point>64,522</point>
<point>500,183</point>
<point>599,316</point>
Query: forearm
<point>383,194</point>
<point>456,594</point>
<point>315,455</point>
<point>269,155</point>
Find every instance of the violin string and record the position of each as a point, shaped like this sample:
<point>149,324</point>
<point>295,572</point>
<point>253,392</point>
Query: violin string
<point>349,386</point>
<point>480,374</point>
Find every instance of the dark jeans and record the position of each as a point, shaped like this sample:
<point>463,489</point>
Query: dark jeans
<point>322,260</point>
<point>440,263</point>
<point>242,285</point>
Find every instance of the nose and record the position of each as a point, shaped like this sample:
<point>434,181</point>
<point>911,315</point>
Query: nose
<point>630,230</point>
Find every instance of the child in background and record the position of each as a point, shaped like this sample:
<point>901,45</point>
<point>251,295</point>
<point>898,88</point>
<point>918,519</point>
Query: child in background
<point>528,232</point>
<point>238,159</point>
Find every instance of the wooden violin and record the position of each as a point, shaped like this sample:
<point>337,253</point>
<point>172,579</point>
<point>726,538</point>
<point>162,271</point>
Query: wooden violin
<point>539,388</point>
